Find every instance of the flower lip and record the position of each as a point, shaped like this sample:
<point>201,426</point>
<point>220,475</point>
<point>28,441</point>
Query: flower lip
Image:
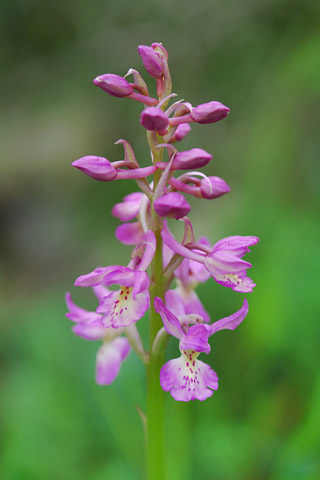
<point>95,167</point>
<point>210,112</point>
<point>114,85</point>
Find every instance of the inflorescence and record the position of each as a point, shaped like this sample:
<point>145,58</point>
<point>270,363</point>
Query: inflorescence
<point>144,214</point>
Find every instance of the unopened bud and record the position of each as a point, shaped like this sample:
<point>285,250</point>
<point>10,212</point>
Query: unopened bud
<point>209,112</point>
<point>151,61</point>
<point>153,118</point>
<point>114,85</point>
<point>213,187</point>
<point>194,158</point>
<point>181,132</point>
<point>172,205</point>
<point>98,168</point>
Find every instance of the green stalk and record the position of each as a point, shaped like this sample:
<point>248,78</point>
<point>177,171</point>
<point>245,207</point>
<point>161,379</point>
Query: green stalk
<point>155,394</point>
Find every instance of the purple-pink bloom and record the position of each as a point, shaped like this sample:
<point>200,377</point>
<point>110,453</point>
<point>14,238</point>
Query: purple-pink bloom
<point>129,208</point>
<point>114,350</point>
<point>223,261</point>
<point>110,358</point>
<point>186,377</point>
<point>130,233</point>
<point>127,305</point>
<point>172,205</point>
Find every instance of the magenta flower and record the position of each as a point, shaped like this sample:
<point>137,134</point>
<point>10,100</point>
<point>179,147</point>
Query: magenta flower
<point>186,377</point>
<point>223,261</point>
<point>129,208</point>
<point>127,305</point>
<point>114,350</point>
<point>130,233</point>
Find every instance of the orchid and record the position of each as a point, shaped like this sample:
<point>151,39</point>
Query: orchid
<point>115,348</point>
<point>162,273</point>
<point>186,377</point>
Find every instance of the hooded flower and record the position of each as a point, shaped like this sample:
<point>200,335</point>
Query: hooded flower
<point>114,350</point>
<point>186,377</point>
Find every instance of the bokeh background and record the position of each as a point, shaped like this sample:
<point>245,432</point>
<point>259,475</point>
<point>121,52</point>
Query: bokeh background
<point>262,60</point>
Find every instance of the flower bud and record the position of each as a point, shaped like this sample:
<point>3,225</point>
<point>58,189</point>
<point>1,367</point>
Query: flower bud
<point>151,61</point>
<point>153,118</point>
<point>209,112</point>
<point>213,187</point>
<point>182,131</point>
<point>172,205</point>
<point>114,85</point>
<point>194,158</point>
<point>98,168</point>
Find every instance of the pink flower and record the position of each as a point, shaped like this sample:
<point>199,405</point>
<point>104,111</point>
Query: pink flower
<point>186,377</point>
<point>223,261</point>
<point>114,350</point>
<point>127,305</point>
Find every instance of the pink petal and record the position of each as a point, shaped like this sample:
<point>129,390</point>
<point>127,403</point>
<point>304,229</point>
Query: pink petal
<point>109,359</point>
<point>120,309</point>
<point>130,233</point>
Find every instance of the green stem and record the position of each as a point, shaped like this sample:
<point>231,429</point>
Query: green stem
<point>155,394</point>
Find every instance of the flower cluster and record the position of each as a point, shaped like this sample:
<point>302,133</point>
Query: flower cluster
<point>144,216</point>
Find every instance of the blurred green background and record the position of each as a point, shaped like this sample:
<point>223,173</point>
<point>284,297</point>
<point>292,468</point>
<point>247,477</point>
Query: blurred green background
<point>262,60</point>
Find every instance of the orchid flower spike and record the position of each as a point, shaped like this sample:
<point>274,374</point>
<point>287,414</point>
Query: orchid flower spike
<point>144,221</point>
